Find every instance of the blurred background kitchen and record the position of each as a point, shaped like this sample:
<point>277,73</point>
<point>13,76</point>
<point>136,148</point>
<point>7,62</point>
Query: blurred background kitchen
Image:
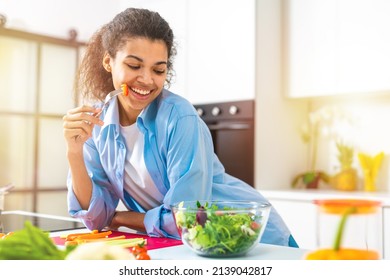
<point>322,61</point>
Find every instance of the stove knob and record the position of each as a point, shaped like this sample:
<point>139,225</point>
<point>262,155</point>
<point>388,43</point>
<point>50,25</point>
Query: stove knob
<point>233,110</point>
<point>200,112</point>
<point>215,111</point>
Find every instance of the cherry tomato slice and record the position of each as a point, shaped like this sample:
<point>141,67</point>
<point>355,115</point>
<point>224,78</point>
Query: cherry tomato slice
<point>136,250</point>
<point>143,256</point>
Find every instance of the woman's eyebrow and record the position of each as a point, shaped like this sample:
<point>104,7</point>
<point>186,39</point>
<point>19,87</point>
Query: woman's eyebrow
<point>141,60</point>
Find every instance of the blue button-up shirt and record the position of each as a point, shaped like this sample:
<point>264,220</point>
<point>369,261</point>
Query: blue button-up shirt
<point>179,156</point>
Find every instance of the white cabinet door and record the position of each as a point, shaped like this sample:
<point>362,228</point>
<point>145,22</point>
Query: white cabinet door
<point>221,50</point>
<point>386,233</point>
<point>337,47</point>
<point>216,47</point>
<point>301,218</point>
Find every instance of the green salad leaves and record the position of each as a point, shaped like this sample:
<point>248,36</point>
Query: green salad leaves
<point>30,243</point>
<point>219,232</point>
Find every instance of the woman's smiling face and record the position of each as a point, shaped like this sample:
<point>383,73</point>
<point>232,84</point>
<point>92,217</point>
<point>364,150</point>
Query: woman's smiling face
<point>142,65</point>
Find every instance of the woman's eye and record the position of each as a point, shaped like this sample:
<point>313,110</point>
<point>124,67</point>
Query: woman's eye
<point>134,67</point>
<point>159,71</point>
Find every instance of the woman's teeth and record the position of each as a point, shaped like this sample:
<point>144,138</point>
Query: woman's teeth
<point>141,91</point>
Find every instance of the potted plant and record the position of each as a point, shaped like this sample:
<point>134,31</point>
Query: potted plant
<point>327,121</point>
<point>310,132</point>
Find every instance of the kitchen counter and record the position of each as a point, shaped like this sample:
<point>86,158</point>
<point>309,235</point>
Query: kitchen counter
<point>172,252</point>
<point>305,195</point>
<point>260,252</point>
<point>181,252</point>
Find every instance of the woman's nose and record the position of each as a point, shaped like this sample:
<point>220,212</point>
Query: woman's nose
<point>145,77</point>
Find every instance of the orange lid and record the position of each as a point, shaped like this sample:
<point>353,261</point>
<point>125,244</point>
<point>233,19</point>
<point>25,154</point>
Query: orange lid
<point>340,206</point>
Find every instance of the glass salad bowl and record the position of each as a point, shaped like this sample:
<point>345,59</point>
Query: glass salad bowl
<point>221,228</point>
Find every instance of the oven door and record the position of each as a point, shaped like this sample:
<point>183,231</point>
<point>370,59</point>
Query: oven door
<point>234,146</point>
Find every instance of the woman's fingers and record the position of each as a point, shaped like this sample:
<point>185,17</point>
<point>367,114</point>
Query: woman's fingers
<point>79,122</point>
<point>83,113</point>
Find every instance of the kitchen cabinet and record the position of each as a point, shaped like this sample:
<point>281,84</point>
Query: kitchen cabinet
<point>336,47</point>
<point>221,50</point>
<point>216,47</point>
<point>300,217</point>
<point>386,232</point>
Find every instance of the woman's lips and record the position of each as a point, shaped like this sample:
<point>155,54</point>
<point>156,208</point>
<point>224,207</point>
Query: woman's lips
<point>141,91</point>
<point>140,94</point>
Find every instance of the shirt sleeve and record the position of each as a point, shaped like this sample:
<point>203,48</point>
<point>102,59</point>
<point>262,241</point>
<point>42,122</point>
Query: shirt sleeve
<point>189,160</point>
<point>103,201</point>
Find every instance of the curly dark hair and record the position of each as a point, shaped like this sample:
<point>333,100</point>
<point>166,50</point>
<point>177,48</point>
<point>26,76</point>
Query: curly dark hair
<point>92,81</point>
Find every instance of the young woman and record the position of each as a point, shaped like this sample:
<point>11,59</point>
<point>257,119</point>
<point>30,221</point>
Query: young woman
<point>149,148</point>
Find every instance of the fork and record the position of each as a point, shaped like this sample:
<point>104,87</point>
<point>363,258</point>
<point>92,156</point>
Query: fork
<point>108,98</point>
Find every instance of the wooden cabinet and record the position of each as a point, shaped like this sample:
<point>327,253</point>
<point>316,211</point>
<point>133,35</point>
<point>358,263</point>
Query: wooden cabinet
<point>336,47</point>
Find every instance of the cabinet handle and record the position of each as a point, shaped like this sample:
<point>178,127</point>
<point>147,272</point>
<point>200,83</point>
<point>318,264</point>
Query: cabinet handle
<point>229,126</point>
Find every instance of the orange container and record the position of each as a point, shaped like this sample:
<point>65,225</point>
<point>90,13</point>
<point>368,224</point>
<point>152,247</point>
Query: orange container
<point>348,229</point>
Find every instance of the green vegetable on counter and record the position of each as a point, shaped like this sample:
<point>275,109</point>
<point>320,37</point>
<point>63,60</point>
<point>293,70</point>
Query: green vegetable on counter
<point>30,243</point>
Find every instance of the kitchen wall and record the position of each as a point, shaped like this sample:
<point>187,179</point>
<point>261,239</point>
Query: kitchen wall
<point>55,18</point>
<point>280,118</point>
<point>370,133</point>
<point>280,153</point>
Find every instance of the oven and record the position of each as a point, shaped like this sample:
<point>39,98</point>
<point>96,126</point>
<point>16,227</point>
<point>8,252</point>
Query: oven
<point>232,128</point>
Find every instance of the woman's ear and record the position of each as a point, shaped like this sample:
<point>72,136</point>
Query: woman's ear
<point>106,62</point>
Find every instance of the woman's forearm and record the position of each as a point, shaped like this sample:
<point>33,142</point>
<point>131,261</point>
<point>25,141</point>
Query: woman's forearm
<point>130,219</point>
<point>81,182</point>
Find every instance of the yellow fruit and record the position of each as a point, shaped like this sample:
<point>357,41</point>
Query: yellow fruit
<point>345,180</point>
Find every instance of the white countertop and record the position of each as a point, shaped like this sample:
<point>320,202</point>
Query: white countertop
<point>310,195</point>
<point>260,252</point>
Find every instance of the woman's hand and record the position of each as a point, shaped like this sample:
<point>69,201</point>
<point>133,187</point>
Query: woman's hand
<point>78,124</point>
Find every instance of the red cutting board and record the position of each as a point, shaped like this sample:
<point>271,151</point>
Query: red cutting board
<point>151,243</point>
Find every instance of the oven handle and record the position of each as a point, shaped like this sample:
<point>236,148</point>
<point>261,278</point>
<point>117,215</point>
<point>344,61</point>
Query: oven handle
<point>229,126</point>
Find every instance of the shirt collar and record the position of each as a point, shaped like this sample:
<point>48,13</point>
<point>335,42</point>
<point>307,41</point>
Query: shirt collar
<point>144,121</point>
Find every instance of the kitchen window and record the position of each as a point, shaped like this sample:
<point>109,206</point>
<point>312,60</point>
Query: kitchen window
<point>36,78</point>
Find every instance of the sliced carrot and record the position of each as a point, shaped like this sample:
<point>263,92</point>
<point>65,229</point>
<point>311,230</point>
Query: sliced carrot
<point>75,235</point>
<point>5,235</point>
<point>125,89</point>
<point>102,234</point>
<point>93,234</point>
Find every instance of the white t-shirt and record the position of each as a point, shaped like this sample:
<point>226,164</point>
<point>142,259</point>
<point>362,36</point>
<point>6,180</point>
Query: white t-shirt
<point>137,180</point>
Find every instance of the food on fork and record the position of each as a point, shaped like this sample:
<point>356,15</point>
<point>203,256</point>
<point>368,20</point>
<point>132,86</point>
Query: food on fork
<point>125,89</point>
